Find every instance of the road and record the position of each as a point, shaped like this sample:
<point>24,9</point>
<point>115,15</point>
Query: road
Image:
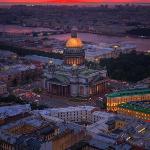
<point>60,102</point>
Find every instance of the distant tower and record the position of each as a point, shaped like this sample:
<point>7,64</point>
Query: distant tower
<point>74,52</point>
<point>74,32</point>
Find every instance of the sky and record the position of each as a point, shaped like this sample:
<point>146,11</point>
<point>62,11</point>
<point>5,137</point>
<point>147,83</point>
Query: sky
<point>75,1</point>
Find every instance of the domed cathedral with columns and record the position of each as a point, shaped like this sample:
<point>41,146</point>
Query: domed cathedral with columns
<point>74,51</point>
<point>73,78</point>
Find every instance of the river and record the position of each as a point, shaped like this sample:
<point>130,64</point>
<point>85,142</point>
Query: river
<point>142,44</point>
<point>20,29</point>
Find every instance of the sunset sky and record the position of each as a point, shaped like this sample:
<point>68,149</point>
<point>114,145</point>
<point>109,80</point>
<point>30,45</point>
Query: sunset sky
<point>73,1</point>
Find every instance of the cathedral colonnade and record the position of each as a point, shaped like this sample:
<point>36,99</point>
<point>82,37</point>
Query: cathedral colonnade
<point>59,90</point>
<point>86,91</point>
<point>74,60</point>
<point>91,90</point>
<point>97,89</point>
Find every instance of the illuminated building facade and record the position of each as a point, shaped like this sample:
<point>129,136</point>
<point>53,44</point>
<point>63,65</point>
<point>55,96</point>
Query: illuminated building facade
<point>73,78</point>
<point>116,98</point>
<point>74,52</point>
<point>116,123</point>
<point>138,109</point>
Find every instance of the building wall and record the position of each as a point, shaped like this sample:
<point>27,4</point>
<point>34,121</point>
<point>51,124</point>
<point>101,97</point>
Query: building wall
<point>132,113</point>
<point>46,146</point>
<point>13,118</point>
<point>21,76</point>
<point>74,88</point>
<point>98,89</point>
<point>119,124</point>
<point>97,116</point>
<point>89,148</point>
<point>50,135</point>
<point>75,116</point>
<point>67,140</point>
<point>112,103</point>
<point>6,146</point>
<point>78,86</point>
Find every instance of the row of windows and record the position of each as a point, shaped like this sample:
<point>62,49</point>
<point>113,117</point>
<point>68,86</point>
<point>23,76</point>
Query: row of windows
<point>134,97</point>
<point>81,116</point>
<point>134,113</point>
<point>116,101</point>
<point>76,61</point>
<point>75,113</point>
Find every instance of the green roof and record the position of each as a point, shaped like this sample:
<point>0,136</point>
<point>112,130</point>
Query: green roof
<point>60,79</point>
<point>129,93</point>
<point>87,72</point>
<point>134,107</point>
<point>96,79</point>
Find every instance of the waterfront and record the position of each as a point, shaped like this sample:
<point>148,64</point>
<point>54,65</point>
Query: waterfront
<point>141,43</point>
<point>61,91</point>
<point>14,29</point>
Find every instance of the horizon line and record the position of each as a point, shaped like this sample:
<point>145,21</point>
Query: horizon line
<point>58,3</point>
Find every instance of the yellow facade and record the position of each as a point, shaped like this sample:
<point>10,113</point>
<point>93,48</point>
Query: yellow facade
<point>67,139</point>
<point>112,103</point>
<point>51,135</point>
<point>23,129</point>
<point>132,113</point>
<point>119,124</point>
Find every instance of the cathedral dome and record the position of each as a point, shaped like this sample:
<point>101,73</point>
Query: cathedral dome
<point>74,42</point>
<point>74,54</point>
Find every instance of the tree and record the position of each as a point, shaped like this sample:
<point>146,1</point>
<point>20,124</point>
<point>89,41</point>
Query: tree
<point>128,67</point>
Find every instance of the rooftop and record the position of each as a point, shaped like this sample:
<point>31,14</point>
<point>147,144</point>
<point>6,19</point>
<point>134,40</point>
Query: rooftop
<point>43,59</point>
<point>27,128</point>
<point>87,72</point>
<point>102,113</point>
<point>142,106</point>
<point>17,68</point>
<point>69,109</point>
<point>8,111</point>
<point>4,53</point>
<point>129,93</point>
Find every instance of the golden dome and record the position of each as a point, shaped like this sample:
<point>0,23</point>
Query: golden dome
<point>74,43</point>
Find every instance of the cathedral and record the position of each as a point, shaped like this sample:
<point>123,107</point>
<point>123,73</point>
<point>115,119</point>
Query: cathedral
<point>73,78</point>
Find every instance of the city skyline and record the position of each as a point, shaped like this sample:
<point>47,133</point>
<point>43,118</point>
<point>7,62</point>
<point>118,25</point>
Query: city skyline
<point>74,74</point>
<point>75,1</point>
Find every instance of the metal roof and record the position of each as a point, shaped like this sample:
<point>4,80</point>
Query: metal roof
<point>142,106</point>
<point>129,93</point>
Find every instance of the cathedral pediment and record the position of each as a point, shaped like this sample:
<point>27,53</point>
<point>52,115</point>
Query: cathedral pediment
<point>60,79</point>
